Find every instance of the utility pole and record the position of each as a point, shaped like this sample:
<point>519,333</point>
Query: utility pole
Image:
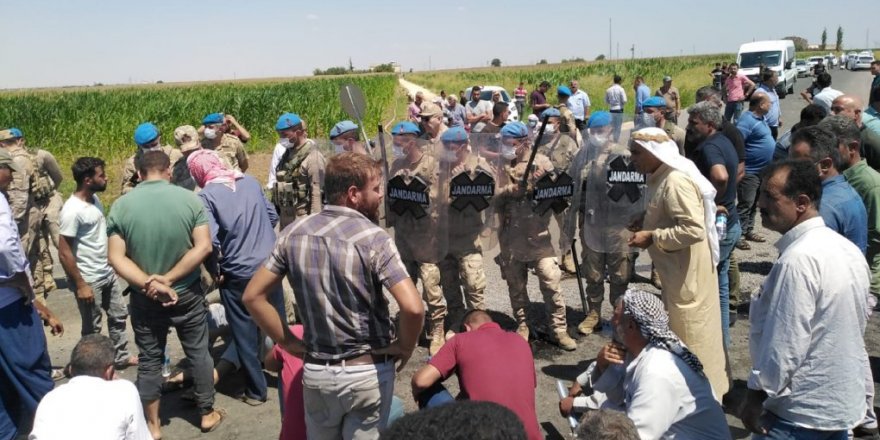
<point>609,38</point>
<point>633,51</point>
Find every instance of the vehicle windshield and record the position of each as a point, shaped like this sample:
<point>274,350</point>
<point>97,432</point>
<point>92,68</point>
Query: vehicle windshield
<point>865,59</point>
<point>757,59</point>
<point>801,63</point>
<point>486,95</point>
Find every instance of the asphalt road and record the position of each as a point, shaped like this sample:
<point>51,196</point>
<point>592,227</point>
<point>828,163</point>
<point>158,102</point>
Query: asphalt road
<point>181,420</point>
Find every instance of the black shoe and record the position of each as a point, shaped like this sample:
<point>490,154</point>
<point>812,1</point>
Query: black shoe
<point>866,433</point>
<point>732,317</point>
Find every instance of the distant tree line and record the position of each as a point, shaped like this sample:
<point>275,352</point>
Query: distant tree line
<point>340,70</point>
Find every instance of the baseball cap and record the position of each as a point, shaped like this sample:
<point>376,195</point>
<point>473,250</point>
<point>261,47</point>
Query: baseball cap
<point>287,120</point>
<point>145,133</point>
<point>213,118</point>
<point>406,127</point>
<point>6,160</point>
<point>342,127</point>
<point>667,78</point>
<point>430,109</point>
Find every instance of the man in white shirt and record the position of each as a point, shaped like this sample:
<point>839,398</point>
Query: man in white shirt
<point>579,104</point>
<point>652,376</point>
<point>615,97</point>
<point>826,94</point>
<point>478,111</point>
<point>808,320</point>
<point>94,404</point>
<point>83,254</point>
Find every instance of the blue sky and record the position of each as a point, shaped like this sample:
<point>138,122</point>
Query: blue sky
<point>81,42</point>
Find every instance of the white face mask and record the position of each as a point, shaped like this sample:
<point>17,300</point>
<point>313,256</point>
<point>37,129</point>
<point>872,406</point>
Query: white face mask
<point>340,148</point>
<point>508,153</point>
<point>599,140</point>
<point>550,129</point>
<point>448,156</point>
<point>397,152</point>
<point>156,148</point>
<point>648,120</point>
<point>285,142</point>
<point>210,133</point>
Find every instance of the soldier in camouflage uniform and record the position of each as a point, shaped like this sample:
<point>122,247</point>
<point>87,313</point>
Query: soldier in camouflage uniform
<point>525,237</point>
<point>560,148</point>
<point>47,205</point>
<point>187,139</point>
<point>420,245</point>
<point>566,117</point>
<point>296,172</point>
<point>228,147</point>
<point>432,125</point>
<point>20,192</point>
<point>463,265</point>
<point>147,138</point>
<point>345,136</point>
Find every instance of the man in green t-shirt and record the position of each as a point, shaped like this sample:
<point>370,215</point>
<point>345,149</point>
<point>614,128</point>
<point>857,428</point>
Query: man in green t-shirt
<point>158,236</point>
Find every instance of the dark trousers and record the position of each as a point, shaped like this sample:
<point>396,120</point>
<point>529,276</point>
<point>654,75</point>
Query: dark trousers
<point>189,319</point>
<point>25,370</point>
<point>747,201</point>
<point>243,350</point>
<point>434,396</point>
<point>774,131</point>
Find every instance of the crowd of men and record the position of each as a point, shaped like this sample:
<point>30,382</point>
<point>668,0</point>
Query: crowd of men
<point>457,184</point>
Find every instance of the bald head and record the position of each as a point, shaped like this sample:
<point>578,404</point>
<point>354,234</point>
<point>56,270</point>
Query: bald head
<point>475,318</point>
<point>848,106</point>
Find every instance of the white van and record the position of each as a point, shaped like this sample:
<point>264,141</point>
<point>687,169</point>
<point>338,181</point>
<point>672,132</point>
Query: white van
<point>778,55</point>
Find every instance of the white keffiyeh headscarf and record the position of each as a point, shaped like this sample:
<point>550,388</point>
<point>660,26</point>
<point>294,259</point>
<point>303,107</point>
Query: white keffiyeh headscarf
<point>658,143</point>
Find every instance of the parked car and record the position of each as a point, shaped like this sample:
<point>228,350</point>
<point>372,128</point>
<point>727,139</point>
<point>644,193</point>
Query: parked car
<point>850,59</point>
<point>486,95</point>
<point>863,61</point>
<point>802,69</point>
<point>812,61</point>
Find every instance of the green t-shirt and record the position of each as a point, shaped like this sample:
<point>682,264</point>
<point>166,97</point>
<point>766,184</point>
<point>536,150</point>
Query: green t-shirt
<point>156,220</point>
<point>866,181</point>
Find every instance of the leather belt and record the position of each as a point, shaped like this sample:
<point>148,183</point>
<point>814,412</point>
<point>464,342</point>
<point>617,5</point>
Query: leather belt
<point>361,359</point>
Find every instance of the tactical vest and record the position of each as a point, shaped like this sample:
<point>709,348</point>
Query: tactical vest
<point>43,186</point>
<point>293,186</point>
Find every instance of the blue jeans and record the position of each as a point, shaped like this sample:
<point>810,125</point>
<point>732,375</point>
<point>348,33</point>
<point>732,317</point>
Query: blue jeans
<point>732,111</point>
<point>435,396</point>
<point>616,123</point>
<point>726,248</point>
<point>781,429</point>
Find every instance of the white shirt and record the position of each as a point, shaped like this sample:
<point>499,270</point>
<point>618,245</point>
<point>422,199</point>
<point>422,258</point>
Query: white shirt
<point>825,97</point>
<point>85,223</point>
<point>807,330</point>
<point>615,97</point>
<point>666,399</point>
<point>12,257</point>
<point>479,108</point>
<point>277,153</point>
<point>578,103</point>
<point>91,408</point>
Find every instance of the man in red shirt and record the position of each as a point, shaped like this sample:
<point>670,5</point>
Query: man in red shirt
<point>492,364</point>
<point>738,87</point>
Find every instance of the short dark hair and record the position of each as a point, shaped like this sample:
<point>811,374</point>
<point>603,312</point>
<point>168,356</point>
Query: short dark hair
<point>803,178</point>
<point>823,80</point>
<point>844,128</point>
<point>640,78</point>
<point>875,63</point>
<point>92,355</point>
<point>147,161</point>
<point>617,79</point>
<point>812,114</point>
<point>499,108</point>
<point>733,64</point>
<point>545,84</point>
<point>461,420</point>
<point>606,424</point>
<point>767,74</point>
<point>85,167</point>
<point>706,92</point>
<point>822,143</point>
<point>346,170</point>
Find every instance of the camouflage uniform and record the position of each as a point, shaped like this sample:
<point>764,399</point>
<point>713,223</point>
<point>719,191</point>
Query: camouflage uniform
<point>464,262</point>
<point>129,173</point>
<point>21,199</point>
<point>48,203</point>
<point>561,151</point>
<point>420,245</point>
<point>299,176</point>
<point>525,242</point>
<point>230,150</point>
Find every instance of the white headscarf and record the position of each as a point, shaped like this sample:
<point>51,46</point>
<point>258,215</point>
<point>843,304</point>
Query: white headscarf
<point>658,143</point>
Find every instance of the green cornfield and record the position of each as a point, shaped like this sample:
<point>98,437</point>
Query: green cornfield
<point>101,121</point>
<point>688,73</point>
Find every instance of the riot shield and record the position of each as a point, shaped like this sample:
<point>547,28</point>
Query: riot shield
<point>472,185</point>
<point>612,193</point>
<point>417,202</point>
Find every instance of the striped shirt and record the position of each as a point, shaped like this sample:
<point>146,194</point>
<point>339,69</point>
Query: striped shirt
<point>337,262</point>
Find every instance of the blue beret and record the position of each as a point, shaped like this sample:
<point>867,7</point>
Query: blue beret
<point>655,101</point>
<point>145,133</point>
<point>16,133</point>
<point>406,127</point>
<point>550,113</point>
<point>287,120</point>
<point>455,134</point>
<point>599,119</point>
<point>563,90</point>
<point>213,118</point>
<point>514,130</point>
<point>342,127</point>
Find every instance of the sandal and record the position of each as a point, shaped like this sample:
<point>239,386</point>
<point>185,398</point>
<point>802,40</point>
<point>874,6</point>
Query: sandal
<point>222,413</point>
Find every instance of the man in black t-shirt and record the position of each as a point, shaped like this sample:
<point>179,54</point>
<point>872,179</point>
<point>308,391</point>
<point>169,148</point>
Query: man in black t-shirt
<point>717,75</point>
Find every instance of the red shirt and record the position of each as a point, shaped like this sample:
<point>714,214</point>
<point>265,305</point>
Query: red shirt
<point>293,421</point>
<point>496,366</point>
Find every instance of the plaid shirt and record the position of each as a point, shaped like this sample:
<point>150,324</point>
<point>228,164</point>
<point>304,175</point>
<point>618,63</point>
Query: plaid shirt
<point>337,262</point>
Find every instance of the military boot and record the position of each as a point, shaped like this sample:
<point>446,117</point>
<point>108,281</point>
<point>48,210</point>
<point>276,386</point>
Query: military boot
<point>563,340</point>
<point>593,321</point>
<point>438,337</point>
<point>568,264</point>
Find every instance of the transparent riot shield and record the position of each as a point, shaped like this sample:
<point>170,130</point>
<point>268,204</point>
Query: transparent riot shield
<point>295,193</point>
<point>416,202</point>
<point>472,185</point>
<point>561,148</point>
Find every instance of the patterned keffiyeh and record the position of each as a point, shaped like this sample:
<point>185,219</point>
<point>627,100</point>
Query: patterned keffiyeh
<point>205,167</point>
<point>648,312</point>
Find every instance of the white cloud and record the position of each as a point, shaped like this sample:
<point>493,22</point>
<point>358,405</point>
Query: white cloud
<point>312,17</point>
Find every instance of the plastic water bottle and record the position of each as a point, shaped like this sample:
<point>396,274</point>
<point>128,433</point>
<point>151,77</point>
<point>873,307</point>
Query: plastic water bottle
<point>721,225</point>
<point>166,365</point>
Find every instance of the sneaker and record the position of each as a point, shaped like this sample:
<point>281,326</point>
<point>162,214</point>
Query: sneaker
<point>564,341</point>
<point>591,323</point>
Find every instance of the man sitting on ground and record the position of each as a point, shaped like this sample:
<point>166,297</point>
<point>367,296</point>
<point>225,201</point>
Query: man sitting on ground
<point>492,365</point>
<point>92,404</point>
